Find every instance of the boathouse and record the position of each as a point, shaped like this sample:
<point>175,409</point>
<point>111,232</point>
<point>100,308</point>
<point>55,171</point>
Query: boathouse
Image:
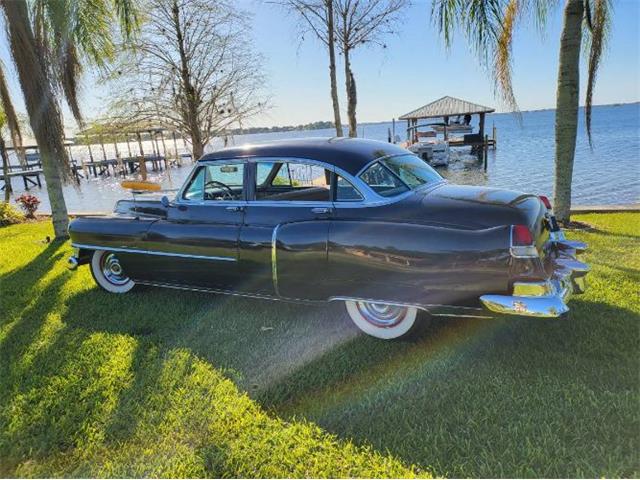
<point>449,108</point>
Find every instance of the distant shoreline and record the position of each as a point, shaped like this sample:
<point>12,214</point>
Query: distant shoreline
<point>322,125</point>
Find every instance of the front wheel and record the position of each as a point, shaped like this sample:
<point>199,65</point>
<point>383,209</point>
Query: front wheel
<point>382,320</point>
<point>108,273</point>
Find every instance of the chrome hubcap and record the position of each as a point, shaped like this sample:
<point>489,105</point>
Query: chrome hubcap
<point>382,315</point>
<point>112,270</point>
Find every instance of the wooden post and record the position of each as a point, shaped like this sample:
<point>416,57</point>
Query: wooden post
<point>494,134</point>
<point>104,153</point>
<point>164,147</point>
<point>143,162</point>
<point>175,145</point>
<point>128,146</point>
<point>73,164</point>
<point>485,151</point>
<point>482,115</point>
<point>90,158</point>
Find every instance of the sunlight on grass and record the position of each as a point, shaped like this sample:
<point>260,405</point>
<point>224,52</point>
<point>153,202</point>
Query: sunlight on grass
<point>90,388</point>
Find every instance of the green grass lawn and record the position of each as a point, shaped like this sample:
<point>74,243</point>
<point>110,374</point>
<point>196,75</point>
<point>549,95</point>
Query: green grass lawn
<point>168,383</point>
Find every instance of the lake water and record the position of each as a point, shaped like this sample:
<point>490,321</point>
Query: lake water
<point>523,160</point>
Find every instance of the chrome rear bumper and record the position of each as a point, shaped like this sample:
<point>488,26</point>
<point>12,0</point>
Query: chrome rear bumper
<point>546,299</point>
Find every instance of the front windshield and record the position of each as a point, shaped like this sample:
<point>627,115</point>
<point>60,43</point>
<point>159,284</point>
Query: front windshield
<point>395,175</point>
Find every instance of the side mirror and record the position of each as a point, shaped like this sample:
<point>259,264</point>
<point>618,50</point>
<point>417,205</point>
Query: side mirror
<point>165,201</point>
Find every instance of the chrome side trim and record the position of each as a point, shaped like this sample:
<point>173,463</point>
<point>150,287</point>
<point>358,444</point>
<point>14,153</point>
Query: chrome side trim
<point>232,293</point>
<point>431,309</point>
<point>150,252</point>
<point>274,260</point>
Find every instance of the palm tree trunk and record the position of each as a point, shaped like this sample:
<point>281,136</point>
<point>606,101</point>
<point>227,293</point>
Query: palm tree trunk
<point>332,69</point>
<point>568,96</point>
<point>351,94</point>
<point>5,170</point>
<point>44,115</point>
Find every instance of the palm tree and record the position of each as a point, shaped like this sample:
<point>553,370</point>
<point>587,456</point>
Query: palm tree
<point>8,121</point>
<point>48,42</point>
<point>489,26</point>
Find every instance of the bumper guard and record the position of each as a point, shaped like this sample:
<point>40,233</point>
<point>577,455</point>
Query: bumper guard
<point>546,299</point>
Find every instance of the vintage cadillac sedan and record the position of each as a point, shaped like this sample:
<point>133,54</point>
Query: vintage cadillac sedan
<point>345,220</point>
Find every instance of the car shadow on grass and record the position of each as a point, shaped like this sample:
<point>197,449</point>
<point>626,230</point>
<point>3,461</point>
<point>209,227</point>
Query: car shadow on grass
<point>506,397</point>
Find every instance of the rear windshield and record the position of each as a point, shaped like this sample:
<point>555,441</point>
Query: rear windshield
<point>395,175</point>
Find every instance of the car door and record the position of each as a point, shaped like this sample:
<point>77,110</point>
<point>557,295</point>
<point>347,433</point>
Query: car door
<point>283,242</point>
<point>197,243</point>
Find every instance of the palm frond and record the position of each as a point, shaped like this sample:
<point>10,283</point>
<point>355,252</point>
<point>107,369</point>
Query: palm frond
<point>502,69</point>
<point>488,26</point>
<point>11,118</point>
<point>128,13</point>
<point>598,28</point>
<point>70,71</point>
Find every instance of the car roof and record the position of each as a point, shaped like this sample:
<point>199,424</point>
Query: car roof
<point>348,154</point>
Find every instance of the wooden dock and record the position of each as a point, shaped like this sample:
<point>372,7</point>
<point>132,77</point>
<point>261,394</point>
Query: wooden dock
<point>30,178</point>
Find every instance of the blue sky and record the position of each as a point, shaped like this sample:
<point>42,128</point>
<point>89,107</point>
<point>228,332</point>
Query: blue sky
<point>414,69</point>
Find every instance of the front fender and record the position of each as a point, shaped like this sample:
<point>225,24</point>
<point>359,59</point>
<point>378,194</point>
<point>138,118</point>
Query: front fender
<point>109,231</point>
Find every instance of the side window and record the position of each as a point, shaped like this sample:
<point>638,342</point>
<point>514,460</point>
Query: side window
<point>292,181</point>
<point>217,182</point>
<point>195,190</point>
<point>273,173</point>
<point>382,181</point>
<point>345,192</point>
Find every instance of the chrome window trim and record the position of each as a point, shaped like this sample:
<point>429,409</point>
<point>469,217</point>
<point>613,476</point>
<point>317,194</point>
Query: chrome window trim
<point>180,200</point>
<point>402,195</point>
<point>151,252</point>
<point>370,197</point>
<point>367,193</point>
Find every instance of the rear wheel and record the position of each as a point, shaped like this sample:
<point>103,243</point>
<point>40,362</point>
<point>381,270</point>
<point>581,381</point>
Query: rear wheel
<point>108,273</point>
<point>382,320</point>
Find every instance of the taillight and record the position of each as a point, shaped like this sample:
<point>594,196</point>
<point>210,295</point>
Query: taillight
<point>545,201</point>
<point>521,236</point>
<point>522,244</point>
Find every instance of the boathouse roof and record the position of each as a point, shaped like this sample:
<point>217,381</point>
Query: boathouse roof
<point>446,107</point>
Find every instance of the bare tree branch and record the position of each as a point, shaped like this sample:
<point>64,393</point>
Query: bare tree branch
<point>192,68</point>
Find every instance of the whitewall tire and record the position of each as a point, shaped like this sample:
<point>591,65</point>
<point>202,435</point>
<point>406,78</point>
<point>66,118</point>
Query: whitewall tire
<point>108,273</point>
<point>382,320</point>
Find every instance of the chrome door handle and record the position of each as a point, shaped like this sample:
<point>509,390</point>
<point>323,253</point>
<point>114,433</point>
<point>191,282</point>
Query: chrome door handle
<point>321,210</point>
<point>235,208</point>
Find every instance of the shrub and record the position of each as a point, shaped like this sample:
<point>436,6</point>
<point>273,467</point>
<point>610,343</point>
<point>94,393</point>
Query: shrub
<point>9,214</point>
<point>29,203</point>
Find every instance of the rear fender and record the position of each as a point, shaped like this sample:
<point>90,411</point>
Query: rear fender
<point>417,264</point>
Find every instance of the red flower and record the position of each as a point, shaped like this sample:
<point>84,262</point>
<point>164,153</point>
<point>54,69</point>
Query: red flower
<point>29,203</point>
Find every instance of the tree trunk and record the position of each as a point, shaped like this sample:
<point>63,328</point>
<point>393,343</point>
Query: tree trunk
<point>5,171</point>
<point>332,70</point>
<point>351,94</point>
<point>192,99</point>
<point>197,146</point>
<point>44,115</point>
<point>568,96</point>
